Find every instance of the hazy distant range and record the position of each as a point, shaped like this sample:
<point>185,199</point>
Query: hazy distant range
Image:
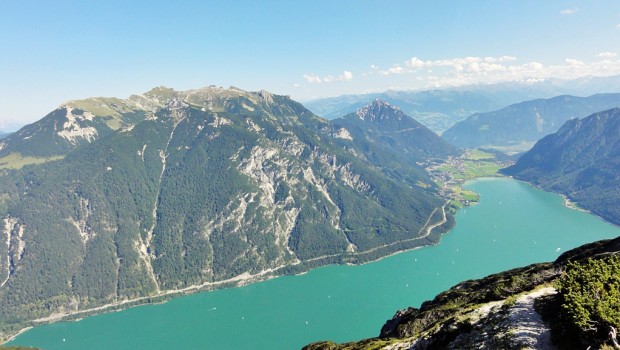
<point>439,109</point>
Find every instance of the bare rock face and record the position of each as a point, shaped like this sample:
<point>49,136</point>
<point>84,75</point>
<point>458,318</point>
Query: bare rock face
<point>390,328</point>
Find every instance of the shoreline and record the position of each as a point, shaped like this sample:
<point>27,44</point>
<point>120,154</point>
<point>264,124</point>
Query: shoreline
<point>573,205</point>
<point>567,201</point>
<point>264,275</point>
<point>237,281</point>
<point>23,330</point>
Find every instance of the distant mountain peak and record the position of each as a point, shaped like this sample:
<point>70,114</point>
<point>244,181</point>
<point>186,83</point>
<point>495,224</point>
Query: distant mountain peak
<point>176,103</point>
<point>204,95</point>
<point>379,110</point>
<point>160,89</point>
<point>266,96</point>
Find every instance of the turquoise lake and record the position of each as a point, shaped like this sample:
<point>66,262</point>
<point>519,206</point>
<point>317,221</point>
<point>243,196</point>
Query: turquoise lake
<point>513,225</point>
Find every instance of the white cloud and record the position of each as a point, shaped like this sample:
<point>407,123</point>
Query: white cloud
<point>415,63</point>
<point>618,26</point>
<point>491,67</point>
<point>607,54</point>
<point>396,70</point>
<point>499,59</point>
<point>314,78</point>
<point>574,62</point>
<point>488,70</point>
<point>474,67</point>
<point>416,72</point>
<point>536,66</point>
<point>507,59</point>
<point>568,12</point>
<point>459,64</point>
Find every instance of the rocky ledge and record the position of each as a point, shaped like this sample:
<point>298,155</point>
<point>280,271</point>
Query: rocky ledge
<point>515,309</point>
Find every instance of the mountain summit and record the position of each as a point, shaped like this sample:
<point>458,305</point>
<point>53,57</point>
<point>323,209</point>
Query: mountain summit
<point>391,133</point>
<point>79,122</point>
<point>378,111</point>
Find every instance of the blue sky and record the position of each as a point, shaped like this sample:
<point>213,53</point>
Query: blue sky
<point>53,51</point>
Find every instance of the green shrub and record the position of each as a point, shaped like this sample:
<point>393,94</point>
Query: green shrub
<point>590,294</point>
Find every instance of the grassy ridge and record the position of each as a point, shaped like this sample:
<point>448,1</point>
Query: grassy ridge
<point>17,161</point>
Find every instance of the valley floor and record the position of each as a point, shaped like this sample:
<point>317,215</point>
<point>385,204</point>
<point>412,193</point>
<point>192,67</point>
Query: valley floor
<point>452,173</point>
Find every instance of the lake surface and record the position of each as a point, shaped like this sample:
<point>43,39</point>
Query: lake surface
<point>513,225</point>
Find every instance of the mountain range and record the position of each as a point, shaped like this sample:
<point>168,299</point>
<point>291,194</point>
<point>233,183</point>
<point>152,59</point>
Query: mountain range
<point>397,138</point>
<point>120,199</point>
<point>525,122</point>
<point>439,109</point>
<point>581,160</point>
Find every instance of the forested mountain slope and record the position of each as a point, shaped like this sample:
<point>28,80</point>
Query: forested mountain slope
<point>218,183</point>
<point>581,160</point>
<point>391,139</point>
<point>525,122</point>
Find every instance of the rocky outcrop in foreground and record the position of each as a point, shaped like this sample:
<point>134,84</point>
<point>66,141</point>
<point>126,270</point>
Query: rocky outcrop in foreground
<point>515,309</point>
